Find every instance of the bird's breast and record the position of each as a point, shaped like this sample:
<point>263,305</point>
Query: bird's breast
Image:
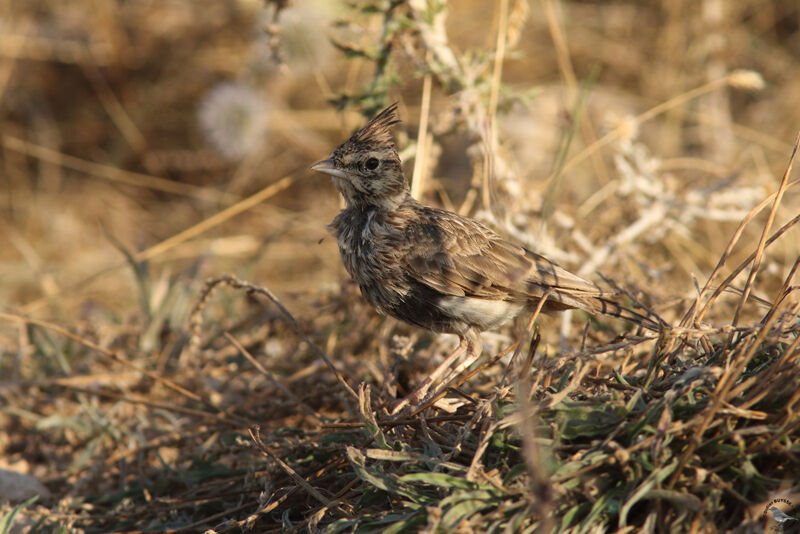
<point>366,247</point>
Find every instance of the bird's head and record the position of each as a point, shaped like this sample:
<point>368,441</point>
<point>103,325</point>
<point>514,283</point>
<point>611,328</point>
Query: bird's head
<point>366,168</point>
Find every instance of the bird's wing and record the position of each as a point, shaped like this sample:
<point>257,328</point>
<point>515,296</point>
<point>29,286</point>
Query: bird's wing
<point>462,257</point>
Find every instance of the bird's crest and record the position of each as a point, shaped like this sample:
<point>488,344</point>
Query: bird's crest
<point>379,129</point>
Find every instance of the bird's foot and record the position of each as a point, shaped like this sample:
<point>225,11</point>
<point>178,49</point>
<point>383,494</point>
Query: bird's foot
<point>405,406</point>
<point>417,401</point>
<point>449,404</point>
<point>412,401</point>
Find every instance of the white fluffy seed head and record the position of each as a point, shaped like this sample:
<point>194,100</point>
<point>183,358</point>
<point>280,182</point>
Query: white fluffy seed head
<point>234,119</point>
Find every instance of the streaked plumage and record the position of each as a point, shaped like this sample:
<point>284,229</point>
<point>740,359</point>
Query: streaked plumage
<point>434,268</point>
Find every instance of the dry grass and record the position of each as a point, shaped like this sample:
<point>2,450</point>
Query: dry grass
<point>149,147</point>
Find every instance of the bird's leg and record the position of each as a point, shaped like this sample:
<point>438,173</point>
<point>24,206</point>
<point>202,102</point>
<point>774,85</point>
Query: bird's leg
<point>415,397</point>
<point>474,349</point>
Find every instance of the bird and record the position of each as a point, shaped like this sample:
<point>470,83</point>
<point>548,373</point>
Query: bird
<point>783,519</point>
<point>434,268</point>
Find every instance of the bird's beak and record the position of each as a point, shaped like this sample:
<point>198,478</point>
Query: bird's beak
<point>327,166</point>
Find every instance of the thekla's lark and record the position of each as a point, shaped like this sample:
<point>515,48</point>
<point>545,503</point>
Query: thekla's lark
<point>434,268</point>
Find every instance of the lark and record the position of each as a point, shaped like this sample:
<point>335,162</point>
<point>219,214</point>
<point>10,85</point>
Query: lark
<point>433,268</point>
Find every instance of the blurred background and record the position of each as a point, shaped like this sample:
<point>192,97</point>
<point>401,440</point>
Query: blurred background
<point>126,123</point>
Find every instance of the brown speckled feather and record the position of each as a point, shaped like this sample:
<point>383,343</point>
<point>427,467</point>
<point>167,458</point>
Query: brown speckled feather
<point>462,257</point>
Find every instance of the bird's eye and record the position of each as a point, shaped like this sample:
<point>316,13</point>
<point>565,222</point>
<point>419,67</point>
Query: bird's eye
<point>371,164</point>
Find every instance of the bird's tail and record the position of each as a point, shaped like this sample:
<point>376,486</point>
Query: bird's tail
<point>611,308</point>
